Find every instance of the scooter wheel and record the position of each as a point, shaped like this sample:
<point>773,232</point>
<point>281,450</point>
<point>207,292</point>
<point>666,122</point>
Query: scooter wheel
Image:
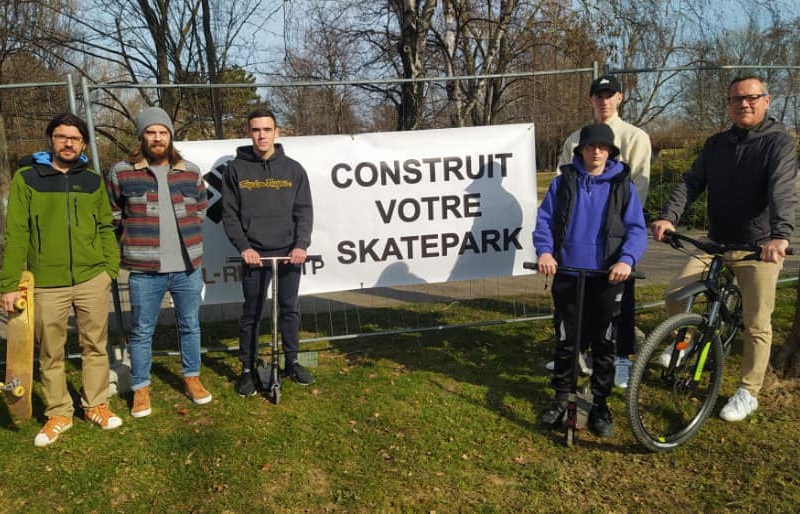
<point>276,394</point>
<point>570,436</point>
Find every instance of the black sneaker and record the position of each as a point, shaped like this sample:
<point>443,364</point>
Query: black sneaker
<point>300,374</point>
<point>551,417</point>
<point>600,421</point>
<point>246,384</point>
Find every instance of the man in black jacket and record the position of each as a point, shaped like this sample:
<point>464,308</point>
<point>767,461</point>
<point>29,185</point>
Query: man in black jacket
<point>267,212</point>
<point>749,171</point>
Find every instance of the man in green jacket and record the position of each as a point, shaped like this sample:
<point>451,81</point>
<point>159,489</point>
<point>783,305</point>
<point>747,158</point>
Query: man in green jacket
<point>59,225</point>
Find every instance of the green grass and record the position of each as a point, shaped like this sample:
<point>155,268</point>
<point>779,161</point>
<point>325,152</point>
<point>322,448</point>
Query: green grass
<point>439,421</point>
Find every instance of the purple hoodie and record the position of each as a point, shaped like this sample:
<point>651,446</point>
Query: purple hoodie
<point>583,245</point>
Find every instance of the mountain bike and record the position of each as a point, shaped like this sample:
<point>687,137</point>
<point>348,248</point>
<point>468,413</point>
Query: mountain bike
<point>676,375</point>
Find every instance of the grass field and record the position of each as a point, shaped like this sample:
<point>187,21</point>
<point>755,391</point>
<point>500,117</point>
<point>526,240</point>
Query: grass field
<point>443,421</point>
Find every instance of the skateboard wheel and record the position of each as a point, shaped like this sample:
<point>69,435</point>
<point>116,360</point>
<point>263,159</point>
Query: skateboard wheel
<point>18,391</point>
<point>20,304</point>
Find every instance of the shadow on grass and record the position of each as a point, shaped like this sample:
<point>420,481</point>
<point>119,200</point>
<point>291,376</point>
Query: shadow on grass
<point>505,359</point>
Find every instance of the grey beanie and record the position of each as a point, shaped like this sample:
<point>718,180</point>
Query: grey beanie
<point>153,116</point>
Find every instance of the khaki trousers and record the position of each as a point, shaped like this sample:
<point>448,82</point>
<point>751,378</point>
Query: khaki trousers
<point>53,304</point>
<point>757,280</point>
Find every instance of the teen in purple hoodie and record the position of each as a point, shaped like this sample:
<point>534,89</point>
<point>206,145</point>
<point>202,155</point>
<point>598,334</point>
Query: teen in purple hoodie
<point>591,218</point>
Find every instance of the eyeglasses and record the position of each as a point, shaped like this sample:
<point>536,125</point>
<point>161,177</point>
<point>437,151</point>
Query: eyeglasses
<point>750,99</point>
<point>61,139</point>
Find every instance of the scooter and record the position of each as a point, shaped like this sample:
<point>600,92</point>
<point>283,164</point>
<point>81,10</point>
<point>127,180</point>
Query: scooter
<point>579,404</point>
<point>268,371</point>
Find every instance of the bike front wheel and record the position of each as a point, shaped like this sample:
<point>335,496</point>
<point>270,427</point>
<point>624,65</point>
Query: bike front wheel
<point>674,383</point>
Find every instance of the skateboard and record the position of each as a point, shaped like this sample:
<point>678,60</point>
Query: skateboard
<point>19,351</point>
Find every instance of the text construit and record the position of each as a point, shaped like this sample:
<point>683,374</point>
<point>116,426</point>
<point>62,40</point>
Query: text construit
<point>417,171</point>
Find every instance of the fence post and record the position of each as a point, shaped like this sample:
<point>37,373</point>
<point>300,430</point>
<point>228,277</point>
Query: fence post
<point>73,104</point>
<point>87,103</point>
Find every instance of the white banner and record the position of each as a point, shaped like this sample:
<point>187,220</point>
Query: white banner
<point>395,208</point>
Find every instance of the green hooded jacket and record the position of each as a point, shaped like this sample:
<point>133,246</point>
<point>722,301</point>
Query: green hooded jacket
<point>59,224</point>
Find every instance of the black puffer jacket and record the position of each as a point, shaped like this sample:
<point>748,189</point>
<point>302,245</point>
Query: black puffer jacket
<point>750,176</point>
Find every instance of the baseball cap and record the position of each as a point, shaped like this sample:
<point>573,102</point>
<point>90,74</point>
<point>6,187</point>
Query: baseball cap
<point>605,83</point>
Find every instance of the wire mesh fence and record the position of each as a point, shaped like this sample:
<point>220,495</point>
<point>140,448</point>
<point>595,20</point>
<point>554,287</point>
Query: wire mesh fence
<point>111,109</point>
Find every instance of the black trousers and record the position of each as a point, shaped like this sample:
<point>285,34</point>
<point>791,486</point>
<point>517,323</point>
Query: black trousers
<point>255,286</point>
<point>601,314</point>
<point>626,338</point>
<point>626,332</point>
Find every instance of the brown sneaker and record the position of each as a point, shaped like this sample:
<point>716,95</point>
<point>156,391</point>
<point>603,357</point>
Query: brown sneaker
<point>102,417</point>
<point>196,391</point>
<point>55,426</point>
<point>141,403</point>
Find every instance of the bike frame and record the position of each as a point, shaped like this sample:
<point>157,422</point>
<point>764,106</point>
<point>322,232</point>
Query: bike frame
<point>712,285</point>
<point>663,421</point>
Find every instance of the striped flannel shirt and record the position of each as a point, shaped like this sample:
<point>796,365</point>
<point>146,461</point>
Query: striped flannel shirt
<point>133,191</point>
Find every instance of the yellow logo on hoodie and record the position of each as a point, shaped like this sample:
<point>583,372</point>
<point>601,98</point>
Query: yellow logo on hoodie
<point>269,183</point>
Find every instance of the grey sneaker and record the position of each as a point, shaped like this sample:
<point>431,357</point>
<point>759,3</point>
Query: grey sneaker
<point>552,416</point>
<point>246,385</point>
<point>300,374</point>
<point>600,421</point>
<point>622,372</point>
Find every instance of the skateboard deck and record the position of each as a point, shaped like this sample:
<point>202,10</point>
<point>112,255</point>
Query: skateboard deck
<point>19,351</point>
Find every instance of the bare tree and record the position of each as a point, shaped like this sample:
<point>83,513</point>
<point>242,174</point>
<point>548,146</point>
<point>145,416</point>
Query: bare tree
<point>22,22</point>
<point>145,42</point>
<point>653,35</point>
<point>481,39</point>
<point>327,53</point>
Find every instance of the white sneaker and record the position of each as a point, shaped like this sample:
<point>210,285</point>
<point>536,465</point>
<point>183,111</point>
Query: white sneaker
<point>639,337</point>
<point>666,355</point>
<point>584,361</point>
<point>740,405</point>
<point>622,372</point>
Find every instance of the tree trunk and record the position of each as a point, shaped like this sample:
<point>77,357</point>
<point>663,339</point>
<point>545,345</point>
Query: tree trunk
<point>786,358</point>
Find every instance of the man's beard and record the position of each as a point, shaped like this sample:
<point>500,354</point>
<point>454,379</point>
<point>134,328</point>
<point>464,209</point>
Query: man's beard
<point>68,162</point>
<point>158,152</point>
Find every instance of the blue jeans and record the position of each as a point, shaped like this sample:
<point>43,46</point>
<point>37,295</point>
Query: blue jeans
<point>147,291</point>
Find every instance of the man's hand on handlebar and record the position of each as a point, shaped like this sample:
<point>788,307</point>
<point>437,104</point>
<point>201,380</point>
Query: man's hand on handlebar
<point>547,264</point>
<point>774,250</point>
<point>251,257</point>
<point>659,227</point>
<point>297,256</point>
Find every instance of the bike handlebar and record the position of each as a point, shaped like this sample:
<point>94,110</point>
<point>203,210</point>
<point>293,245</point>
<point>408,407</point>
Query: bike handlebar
<point>585,271</point>
<point>309,258</point>
<point>674,239</point>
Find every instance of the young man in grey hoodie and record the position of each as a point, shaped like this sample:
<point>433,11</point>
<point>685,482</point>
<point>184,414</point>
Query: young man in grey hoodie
<point>267,212</point>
